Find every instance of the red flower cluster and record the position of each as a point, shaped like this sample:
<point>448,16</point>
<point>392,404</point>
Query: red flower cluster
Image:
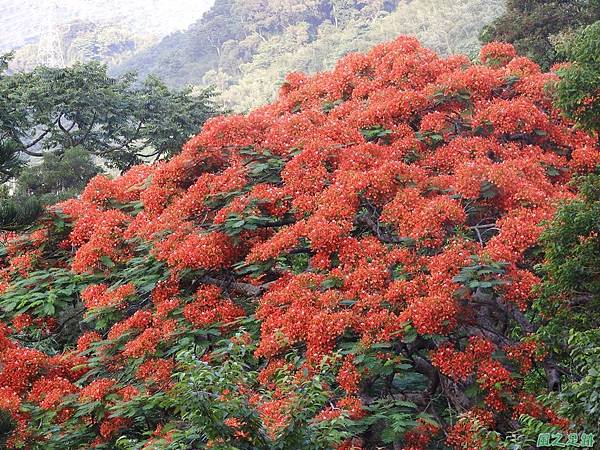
<point>348,377</point>
<point>49,392</point>
<point>464,434</point>
<point>157,371</point>
<point>210,308</point>
<point>96,390</point>
<point>497,53</point>
<point>99,296</point>
<point>460,365</point>
<point>149,339</point>
<point>418,438</point>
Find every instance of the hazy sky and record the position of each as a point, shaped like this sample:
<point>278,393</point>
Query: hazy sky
<point>20,20</point>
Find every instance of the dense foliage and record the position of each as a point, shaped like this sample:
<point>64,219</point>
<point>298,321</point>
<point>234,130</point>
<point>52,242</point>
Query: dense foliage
<point>579,90</point>
<point>245,48</point>
<point>57,177</point>
<point>536,27</point>
<point>231,31</point>
<point>350,267</point>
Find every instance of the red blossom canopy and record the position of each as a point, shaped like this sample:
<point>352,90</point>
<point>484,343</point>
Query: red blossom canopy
<point>360,208</point>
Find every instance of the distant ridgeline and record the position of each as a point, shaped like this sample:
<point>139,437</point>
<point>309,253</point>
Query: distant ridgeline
<point>245,48</point>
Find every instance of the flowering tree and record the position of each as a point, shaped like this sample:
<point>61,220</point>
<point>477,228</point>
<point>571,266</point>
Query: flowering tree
<point>349,267</point>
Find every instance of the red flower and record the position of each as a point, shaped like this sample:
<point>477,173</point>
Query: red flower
<point>156,370</point>
<point>96,390</point>
<point>210,308</point>
<point>497,53</point>
<point>99,296</point>
<point>22,321</point>
<point>348,376</point>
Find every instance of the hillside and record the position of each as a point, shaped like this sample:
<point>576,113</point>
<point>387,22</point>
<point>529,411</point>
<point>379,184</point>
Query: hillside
<point>246,48</point>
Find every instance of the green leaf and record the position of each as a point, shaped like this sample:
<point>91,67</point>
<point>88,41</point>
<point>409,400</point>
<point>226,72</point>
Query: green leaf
<point>107,261</point>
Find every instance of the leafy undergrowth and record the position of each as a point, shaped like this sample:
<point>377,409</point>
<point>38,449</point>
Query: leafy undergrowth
<point>349,267</point>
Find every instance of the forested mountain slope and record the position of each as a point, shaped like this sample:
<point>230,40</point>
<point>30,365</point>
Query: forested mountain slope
<point>245,48</point>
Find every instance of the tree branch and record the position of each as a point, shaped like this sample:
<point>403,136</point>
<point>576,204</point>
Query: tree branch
<point>246,289</point>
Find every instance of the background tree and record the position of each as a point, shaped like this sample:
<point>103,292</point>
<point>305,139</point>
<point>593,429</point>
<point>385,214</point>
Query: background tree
<point>87,40</point>
<point>9,160</point>
<point>532,26</point>
<point>445,26</point>
<point>247,47</point>
<point>183,57</point>
<point>59,176</point>
<point>16,212</point>
<point>51,110</point>
<point>578,93</point>
<point>57,125</point>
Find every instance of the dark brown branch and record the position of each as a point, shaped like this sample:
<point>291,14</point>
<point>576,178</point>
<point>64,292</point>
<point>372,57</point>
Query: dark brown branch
<point>246,289</point>
<point>274,224</point>
<point>40,137</point>
<point>381,235</point>
<point>66,132</point>
<point>89,130</point>
<point>121,146</point>
<point>32,153</point>
<point>76,314</point>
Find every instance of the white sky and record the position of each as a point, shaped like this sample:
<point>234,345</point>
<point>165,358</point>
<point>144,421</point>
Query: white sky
<point>20,19</point>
